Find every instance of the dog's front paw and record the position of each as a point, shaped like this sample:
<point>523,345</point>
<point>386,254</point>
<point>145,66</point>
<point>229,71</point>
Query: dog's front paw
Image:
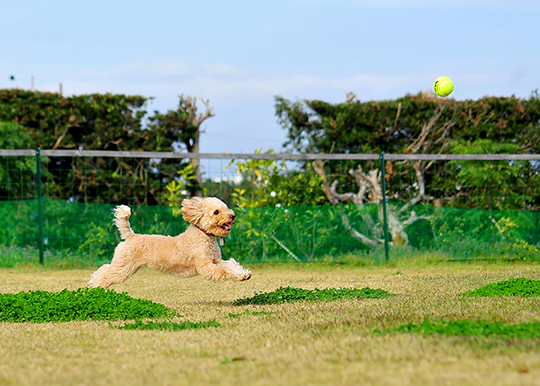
<point>238,273</point>
<point>245,276</point>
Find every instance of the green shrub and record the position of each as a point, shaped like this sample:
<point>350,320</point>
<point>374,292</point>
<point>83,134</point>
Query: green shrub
<point>82,304</point>
<point>510,287</point>
<point>290,294</point>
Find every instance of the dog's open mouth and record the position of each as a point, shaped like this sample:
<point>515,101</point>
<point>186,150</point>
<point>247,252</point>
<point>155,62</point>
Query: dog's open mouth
<point>226,227</point>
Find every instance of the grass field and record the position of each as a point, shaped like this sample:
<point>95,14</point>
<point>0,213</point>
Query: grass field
<point>302,343</point>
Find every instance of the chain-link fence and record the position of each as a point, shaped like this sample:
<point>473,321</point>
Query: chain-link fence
<point>303,207</point>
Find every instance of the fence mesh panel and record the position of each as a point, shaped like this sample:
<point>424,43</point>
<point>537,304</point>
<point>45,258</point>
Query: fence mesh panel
<point>466,216</point>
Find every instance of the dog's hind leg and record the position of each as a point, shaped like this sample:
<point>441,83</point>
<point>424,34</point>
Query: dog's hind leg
<point>118,272</point>
<point>96,277</point>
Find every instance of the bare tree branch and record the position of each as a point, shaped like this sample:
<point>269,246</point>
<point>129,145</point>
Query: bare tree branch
<point>189,105</point>
<point>345,197</point>
<point>421,196</point>
<point>366,240</point>
<point>417,144</point>
<point>373,179</point>
<point>318,166</point>
<point>413,218</point>
<point>397,115</point>
<point>60,138</point>
<point>432,134</point>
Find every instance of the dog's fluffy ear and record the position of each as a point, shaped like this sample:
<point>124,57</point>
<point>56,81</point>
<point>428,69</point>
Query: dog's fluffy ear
<point>192,210</point>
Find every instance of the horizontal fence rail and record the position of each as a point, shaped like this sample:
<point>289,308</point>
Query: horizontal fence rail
<point>59,202</point>
<point>277,156</point>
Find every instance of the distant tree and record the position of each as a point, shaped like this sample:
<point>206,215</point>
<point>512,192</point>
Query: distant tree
<point>268,182</point>
<point>491,185</point>
<point>183,126</point>
<point>86,122</point>
<point>393,125</point>
<point>369,187</point>
<point>399,126</point>
<point>413,125</point>
<point>17,174</point>
<point>106,122</point>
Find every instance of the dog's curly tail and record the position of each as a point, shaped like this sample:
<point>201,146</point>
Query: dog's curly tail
<point>121,220</point>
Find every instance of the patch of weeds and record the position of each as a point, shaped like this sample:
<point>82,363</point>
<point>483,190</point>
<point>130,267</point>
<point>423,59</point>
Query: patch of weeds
<point>471,328</point>
<point>291,294</point>
<point>82,304</point>
<point>511,287</point>
<point>168,326</point>
<point>248,312</point>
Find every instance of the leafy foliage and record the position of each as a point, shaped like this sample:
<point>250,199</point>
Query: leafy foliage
<point>472,328</point>
<point>486,126</point>
<point>268,182</point>
<point>104,122</point>
<point>489,185</point>
<point>96,122</point>
<point>82,304</point>
<point>17,174</point>
<point>291,294</point>
<point>177,189</point>
<point>98,242</point>
<point>294,233</point>
<point>306,233</point>
<point>511,287</point>
<point>168,325</point>
<point>175,126</point>
<point>258,178</point>
<point>390,126</point>
<point>299,189</point>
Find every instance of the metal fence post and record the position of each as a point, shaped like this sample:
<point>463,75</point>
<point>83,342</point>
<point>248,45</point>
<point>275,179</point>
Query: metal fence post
<point>40,207</point>
<point>385,218</point>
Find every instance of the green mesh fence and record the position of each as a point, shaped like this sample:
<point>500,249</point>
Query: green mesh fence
<point>465,221</point>
<point>276,234</point>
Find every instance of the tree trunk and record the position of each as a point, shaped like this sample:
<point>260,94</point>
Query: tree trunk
<point>189,105</point>
<point>196,166</point>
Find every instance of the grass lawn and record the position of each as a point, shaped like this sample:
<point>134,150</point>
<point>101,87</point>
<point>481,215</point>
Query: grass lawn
<point>298,343</point>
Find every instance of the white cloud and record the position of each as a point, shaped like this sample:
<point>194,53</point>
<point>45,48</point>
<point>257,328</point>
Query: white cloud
<point>223,69</point>
<point>232,86</point>
<point>244,100</point>
<point>140,71</point>
<point>227,86</point>
<point>161,70</point>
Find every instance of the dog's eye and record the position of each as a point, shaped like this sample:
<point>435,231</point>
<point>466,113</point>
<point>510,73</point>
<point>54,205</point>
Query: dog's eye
<point>216,212</point>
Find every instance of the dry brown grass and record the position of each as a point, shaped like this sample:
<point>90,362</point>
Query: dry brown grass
<point>295,344</point>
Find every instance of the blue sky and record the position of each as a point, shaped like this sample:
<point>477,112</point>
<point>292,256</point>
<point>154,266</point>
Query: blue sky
<point>241,54</point>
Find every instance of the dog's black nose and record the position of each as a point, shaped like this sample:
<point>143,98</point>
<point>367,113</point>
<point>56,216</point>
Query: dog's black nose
<point>233,217</point>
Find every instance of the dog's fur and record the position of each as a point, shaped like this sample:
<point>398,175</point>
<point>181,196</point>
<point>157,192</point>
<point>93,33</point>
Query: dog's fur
<point>193,252</point>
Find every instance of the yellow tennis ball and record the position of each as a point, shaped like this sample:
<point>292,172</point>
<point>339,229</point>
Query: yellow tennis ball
<point>443,86</point>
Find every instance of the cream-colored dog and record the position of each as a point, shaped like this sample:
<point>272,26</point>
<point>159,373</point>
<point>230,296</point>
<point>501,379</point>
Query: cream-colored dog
<point>193,252</point>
